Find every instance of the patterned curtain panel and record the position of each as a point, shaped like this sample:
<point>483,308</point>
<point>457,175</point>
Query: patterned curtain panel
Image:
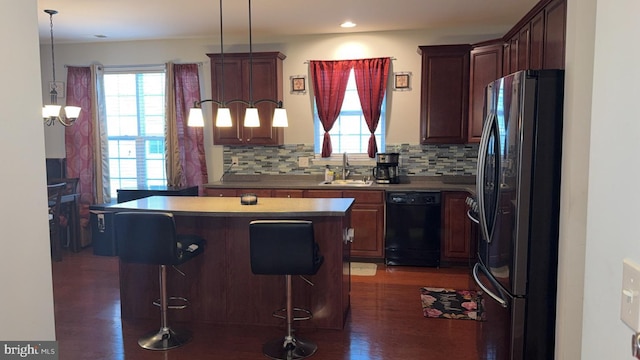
<point>186,164</point>
<point>79,139</point>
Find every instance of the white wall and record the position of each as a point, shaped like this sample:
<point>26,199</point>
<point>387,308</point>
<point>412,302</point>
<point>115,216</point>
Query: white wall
<point>403,124</point>
<point>614,174</point>
<point>26,300</point>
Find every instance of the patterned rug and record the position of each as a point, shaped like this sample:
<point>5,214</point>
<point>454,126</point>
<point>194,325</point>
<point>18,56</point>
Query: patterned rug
<point>449,303</point>
<point>363,269</point>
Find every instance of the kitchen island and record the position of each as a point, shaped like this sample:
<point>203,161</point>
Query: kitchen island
<point>219,283</point>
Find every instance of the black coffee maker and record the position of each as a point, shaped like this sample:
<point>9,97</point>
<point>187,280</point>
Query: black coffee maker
<point>386,170</point>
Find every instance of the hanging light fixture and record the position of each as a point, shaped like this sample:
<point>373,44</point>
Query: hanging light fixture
<point>223,117</point>
<point>53,111</point>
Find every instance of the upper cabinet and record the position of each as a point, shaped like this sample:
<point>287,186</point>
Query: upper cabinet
<point>538,40</point>
<point>264,82</point>
<point>444,98</point>
<point>486,66</point>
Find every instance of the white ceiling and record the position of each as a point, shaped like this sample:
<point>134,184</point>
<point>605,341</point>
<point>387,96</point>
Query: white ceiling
<point>120,20</point>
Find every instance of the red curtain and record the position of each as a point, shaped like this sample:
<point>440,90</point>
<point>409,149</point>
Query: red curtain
<point>190,139</point>
<point>371,82</point>
<point>329,84</point>
<point>79,138</point>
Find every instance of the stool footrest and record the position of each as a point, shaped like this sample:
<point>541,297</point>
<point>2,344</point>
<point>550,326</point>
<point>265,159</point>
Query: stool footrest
<point>306,314</point>
<point>178,302</point>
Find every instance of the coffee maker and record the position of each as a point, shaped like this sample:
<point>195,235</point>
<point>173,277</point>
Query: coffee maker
<point>386,170</point>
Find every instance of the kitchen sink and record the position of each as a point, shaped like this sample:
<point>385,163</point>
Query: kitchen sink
<point>347,182</point>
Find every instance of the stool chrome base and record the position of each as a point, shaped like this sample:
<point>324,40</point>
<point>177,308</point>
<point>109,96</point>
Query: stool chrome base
<point>164,339</point>
<point>285,348</point>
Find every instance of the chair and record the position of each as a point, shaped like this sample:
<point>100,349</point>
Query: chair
<point>67,207</point>
<point>285,247</point>
<point>150,238</point>
<point>54,196</point>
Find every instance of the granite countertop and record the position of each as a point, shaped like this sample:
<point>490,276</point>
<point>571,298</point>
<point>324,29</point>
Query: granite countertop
<point>231,207</point>
<point>412,183</point>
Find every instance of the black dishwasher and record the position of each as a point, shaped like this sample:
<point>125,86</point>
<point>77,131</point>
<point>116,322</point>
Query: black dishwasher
<point>412,235</point>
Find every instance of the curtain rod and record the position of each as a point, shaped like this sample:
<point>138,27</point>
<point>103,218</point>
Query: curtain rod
<point>199,63</point>
<point>392,58</point>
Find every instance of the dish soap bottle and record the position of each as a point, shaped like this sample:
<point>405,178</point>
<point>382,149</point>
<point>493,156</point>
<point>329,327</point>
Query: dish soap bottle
<point>328,174</point>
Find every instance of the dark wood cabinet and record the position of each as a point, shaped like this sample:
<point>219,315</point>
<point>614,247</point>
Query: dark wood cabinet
<point>486,66</point>
<point>524,37</point>
<point>444,98</point>
<point>367,221</point>
<point>536,42</point>
<point>264,82</point>
<point>456,246</point>
<point>286,193</point>
<point>555,18</point>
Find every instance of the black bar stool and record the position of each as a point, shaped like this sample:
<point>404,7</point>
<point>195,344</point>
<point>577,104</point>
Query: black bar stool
<point>150,238</point>
<point>285,247</point>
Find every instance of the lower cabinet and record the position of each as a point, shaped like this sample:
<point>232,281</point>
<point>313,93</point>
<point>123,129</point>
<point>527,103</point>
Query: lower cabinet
<point>457,246</point>
<point>367,221</point>
<point>367,214</point>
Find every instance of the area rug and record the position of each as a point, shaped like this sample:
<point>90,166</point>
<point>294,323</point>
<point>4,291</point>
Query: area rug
<point>450,303</point>
<point>363,269</point>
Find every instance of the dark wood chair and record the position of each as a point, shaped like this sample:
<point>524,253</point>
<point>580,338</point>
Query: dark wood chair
<point>54,194</point>
<point>67,209</point>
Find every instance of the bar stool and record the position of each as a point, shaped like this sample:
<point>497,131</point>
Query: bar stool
<point>150,238</point>
<point>285,247</point>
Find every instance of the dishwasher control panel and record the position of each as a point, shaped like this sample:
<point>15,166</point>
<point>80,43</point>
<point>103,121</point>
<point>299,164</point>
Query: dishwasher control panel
<point>414,197</point>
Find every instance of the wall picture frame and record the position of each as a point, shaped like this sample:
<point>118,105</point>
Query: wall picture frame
<point>402,81</point>
<point>59,86</point>
<point>298,84</point>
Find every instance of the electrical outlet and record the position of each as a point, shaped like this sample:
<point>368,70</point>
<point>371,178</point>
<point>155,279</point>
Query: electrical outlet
<point>303,161</point>
<point>630,302</point>
<point>234,160</point>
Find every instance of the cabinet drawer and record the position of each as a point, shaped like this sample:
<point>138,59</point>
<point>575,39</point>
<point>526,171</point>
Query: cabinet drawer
<point>220,192</point>
<point>365,196</point>
<point>322,193</point>
<point>259,192</point>
<point>283,193</point>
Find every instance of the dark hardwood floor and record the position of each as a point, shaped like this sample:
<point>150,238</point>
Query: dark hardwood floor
<point>385,321</point>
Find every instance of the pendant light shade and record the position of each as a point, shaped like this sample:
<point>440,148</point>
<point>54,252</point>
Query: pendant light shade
<point>251,118</point>
<point>195,117</point>
<point>223,117</point>
<point>280,118</point>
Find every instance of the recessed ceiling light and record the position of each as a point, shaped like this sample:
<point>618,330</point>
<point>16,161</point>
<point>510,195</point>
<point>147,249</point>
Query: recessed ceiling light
<point>348,24</point>
<point>99,36</point>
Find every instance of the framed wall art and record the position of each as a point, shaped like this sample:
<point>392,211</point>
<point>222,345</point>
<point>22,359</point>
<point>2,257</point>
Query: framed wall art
<point>402,81</point>
<point>59,86</point>
<point>298,84</point>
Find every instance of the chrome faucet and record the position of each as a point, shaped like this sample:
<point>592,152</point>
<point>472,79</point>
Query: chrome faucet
<point>345,165</point>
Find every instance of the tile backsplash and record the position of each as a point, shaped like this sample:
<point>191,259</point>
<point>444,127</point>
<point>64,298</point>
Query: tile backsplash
<point>415,160</point>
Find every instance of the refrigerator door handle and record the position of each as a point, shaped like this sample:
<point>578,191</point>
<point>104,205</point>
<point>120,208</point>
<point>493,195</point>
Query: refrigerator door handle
<point>482,152</point>
<point>495,297</point>
<point>472,218</point>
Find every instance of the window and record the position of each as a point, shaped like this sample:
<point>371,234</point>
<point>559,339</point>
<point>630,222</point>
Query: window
<point>350,133</point>
<point>135,129</point>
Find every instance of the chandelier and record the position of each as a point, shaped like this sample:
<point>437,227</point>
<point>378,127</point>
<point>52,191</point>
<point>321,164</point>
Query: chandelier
<point>53,111</point>
<point>223,117</point>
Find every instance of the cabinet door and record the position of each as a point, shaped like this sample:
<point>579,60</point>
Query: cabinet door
<point>444,100</point>
<point>554,34</point>
<point>486,66</point>
<point>323,194</point>
<point>265,85</point>
<point>536,42</point>
<point>524,38</point>
<point>456,228</point>
<point>367,222</point>
<point>513,49</point>
<point>265,82</point>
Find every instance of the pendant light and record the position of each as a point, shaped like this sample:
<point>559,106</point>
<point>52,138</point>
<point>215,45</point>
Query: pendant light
<point>54,112</point>
<point>223,116</point>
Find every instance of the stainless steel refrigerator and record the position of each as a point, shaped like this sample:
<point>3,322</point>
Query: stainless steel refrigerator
<point>518,198</point>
